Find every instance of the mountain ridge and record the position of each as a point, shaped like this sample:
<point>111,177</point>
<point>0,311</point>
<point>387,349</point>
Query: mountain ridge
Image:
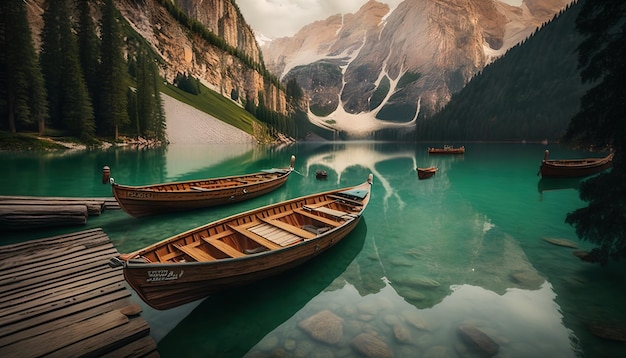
<point>230,73</point>
<point>432,47</point>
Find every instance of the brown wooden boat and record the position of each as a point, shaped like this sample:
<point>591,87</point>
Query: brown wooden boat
<point>447,149</point>
<point>573,167</point>
<point>146,200</point>
<point>321,174</point>
<point>243,248</point>
<point>425,173</point>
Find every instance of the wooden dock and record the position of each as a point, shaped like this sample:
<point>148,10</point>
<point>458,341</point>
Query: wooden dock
<point>60,298</point>
<point>28,212</point>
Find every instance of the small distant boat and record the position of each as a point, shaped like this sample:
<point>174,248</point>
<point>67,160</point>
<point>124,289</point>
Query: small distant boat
<point>425,173</point>
<point>321,174</point>
<point>573,167</point>
<point>153,199</point>
<point>447,149</point>
<point>243,248</point>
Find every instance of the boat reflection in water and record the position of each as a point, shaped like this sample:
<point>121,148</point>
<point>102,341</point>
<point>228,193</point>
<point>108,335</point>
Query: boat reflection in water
<point>550,184</point>
<point>229,324</point>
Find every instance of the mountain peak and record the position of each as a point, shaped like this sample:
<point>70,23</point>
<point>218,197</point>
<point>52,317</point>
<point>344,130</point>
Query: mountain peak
<point>396,65</point>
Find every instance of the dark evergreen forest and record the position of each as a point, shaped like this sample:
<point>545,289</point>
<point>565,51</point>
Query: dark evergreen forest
<point>530,93</point>
<point>79,84</point>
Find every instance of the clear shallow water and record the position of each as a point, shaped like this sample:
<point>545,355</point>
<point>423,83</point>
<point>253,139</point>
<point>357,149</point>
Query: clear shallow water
<point>464,247</point>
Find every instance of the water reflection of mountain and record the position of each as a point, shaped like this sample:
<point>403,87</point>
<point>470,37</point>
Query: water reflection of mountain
<point>423,269</point>
<point>229,324</point>
<point>185,162</point>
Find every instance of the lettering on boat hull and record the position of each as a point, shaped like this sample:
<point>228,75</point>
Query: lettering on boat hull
<point>138,194</point>
<point>163,275</point>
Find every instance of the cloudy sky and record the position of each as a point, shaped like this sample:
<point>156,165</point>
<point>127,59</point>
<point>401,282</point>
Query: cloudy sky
<point>278,18</point>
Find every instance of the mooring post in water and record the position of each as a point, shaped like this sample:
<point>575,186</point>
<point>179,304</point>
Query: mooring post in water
<point>106,174</point>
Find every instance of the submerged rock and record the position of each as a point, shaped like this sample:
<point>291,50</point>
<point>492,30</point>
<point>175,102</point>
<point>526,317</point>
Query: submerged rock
<point>371,346</point>
<point>402,334</point>
<point>561,242</point>
<point>527,279</point>
<point>478,340</point>
<point>324,326</point>
<point>609,331</point>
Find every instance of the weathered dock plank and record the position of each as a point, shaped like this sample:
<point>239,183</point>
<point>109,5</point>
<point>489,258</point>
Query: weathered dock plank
<point>27,212</point>
<point>60,298</point>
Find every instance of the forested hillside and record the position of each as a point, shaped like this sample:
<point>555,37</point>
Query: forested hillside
<point>531,93</point>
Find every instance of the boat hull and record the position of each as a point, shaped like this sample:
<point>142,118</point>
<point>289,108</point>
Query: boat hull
<point>164,286</point>
<point>425,173</point>
<point>243,248</point>
<point>140,202</point>
<point>572,168</point>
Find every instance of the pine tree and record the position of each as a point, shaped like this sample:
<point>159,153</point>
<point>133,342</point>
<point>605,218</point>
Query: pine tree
<point>150,112</point>
<point>159,115</point>
<point>145,104</point>
<point>88,47</point>
<point>113,81</point>
<point>21,81</point>
<point>601,123</point>
<point>51,60</point>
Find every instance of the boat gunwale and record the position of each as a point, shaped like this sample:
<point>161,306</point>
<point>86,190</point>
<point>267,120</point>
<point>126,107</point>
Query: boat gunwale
<point>220,261</point>
<point>254,211</point>
<point>574,163</point>
<point>190,183</point>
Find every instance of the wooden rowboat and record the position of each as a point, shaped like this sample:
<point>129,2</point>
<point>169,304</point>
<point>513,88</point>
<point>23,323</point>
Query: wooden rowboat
<point>573,167</point>
<point>425,173</point>
<point>321,174</point>
<point>146,200</point>
<point>243,248</point>
<point>447,149</point>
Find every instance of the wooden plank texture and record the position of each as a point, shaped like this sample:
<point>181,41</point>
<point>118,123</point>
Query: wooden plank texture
<point>28,212</point>
<point>60,298</point>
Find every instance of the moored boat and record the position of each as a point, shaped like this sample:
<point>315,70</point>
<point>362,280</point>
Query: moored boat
<point>153,199</point>
<point>573,167</point>
<point>321,174</point>
<point>447,149</point>
<point>243,248</point>
<point>424,173</point>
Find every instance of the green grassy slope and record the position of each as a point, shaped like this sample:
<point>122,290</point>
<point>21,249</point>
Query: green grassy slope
<point>213,103</point>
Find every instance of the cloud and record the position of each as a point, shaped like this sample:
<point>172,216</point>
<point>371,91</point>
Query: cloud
<point>279,18</point>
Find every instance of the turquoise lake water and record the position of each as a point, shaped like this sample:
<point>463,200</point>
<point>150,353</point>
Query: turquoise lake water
<point>462,248</point>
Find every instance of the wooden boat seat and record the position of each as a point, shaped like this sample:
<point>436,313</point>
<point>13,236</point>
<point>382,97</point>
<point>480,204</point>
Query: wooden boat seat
<point>195,252</point>
<point>276,234</point>
<point>318,218</point>
<point>223,247</point>
<point>317,230</point>
<point>210,187</point>
<point>345,200</point>
<point>199,188</point>
<point>242,229</point>
<point>290,228</point>
<point>167,257</point>
<point>331,212</point>
<point>320,204</point>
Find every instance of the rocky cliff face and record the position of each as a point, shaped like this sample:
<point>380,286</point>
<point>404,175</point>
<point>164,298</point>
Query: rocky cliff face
<point>224,20</point>
<point>383,67</point>
<point>184,52</point>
